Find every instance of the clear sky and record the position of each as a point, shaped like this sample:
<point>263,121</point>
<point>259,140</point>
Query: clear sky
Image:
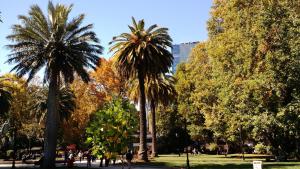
<point>186,19</point>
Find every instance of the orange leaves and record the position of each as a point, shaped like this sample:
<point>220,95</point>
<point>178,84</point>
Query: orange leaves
<point>105,84</point>
<point>106,81</point>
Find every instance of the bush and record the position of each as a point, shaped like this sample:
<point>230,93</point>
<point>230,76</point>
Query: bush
<point>9,153</point>
<point>213,147</point>
<point>260,148</point>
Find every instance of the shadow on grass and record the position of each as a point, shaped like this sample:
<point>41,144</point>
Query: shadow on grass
<point>229,166</point>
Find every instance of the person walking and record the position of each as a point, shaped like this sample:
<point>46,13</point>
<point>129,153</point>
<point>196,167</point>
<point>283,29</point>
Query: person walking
<point>71,160</point>
<point>129,157</point>
<point>88,158</point>
<point>80,154</point>
<point>65,156</point>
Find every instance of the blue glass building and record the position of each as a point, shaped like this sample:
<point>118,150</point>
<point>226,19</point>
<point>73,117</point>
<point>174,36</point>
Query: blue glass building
<point>181,53</point>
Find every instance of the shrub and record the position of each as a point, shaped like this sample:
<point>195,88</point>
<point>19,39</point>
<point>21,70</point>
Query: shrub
<point>213,147</point>
<point>260,148</point>
<point>9,153</point>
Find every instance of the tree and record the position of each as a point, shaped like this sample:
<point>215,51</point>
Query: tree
<point>111,127</point>
<point>87,103</point>
<point>107,82</point>
<point>171,135</point>
<point>18,109</point>
<point>66,104</point>
<point>158,89</point>
<point>255,63</point>
<point>63,47</point>
<point>243,81</point>
<point>139,54</point>
<point>5,97</point>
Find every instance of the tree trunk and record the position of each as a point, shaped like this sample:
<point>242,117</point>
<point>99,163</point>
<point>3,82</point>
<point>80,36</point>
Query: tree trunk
<point>14,148</point>
<point>142,154</point>
<point>153,126</point>
<point>51,124</point>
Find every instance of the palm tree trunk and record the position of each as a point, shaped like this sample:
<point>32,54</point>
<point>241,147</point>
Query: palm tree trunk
<point>142,154</point>
<point>153,125</point>
<point>51,124</point>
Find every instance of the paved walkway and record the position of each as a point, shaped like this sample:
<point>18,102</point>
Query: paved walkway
<point>83,164</point>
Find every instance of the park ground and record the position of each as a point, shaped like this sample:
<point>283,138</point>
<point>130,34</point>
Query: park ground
<point>196,162</point>
<point>220,162</point>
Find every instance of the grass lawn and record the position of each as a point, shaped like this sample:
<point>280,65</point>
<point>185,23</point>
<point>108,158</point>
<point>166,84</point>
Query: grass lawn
<point>219,162</point>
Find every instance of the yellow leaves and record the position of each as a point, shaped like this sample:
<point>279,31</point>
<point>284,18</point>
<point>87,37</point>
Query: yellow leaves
<point>107,81</point>
<point>238,81</point>
<point>105,84</point>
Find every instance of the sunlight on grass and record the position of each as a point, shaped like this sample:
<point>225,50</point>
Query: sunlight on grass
<point>220,162</point>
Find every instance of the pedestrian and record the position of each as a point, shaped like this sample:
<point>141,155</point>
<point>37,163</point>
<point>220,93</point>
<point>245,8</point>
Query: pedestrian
<point>88,158</point>
<point>71,159</point>
<point>129,157</point>
<point>80,155</point>
<point>65,157</point>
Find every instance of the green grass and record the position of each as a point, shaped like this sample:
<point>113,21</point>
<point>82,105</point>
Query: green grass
<point>219,162</point>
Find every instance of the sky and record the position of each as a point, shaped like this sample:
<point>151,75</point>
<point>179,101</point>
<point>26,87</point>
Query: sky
<point>186,19</point>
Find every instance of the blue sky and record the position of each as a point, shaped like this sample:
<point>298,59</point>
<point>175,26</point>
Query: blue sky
<point>186,19</point>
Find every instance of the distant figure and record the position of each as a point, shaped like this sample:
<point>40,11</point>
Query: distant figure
<point>71,159</point>
<point>80,154</point>
<point>194,151</point>
<point>88,158</point>
<point>93,158</point>
<point>129,157</point>
<point>65,157</point>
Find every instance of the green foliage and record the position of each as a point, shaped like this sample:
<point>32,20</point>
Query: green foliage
<point>53,42</point>
<point>5,97</point>
<point>172,136</point>
<point>142,50</point>
<point>213,147</point>
<point>62,47</point>
<point>66,103</point>
<point>260,148</point>
<point>246,76</point>
<point>139,54</point>
<point>111,128</point>
<point>9,153</point>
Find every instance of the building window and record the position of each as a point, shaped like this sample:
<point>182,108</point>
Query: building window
<point>175,49</point>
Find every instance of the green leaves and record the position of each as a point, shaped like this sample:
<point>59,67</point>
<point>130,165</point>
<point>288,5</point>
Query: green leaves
<point>111,127</point>
<point>54,42</point>
<point>142,51</point>
<point>5,96</point>
<point>247,74</point>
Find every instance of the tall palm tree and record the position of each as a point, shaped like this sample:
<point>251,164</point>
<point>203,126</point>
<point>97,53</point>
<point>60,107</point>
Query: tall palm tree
<point>159,90</point>
<point>139,54</point>
<point>60,45</point>
<point>5,97</point>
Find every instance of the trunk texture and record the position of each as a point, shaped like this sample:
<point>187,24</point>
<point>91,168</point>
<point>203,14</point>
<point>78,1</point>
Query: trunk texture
<point>153,125</point>
<point>142,154</point>
<point>51,124</point>
<point>14,148</point>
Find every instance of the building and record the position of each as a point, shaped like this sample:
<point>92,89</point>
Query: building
<point>181,53</point>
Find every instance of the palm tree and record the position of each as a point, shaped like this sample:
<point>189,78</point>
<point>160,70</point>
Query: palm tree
<point>139,54</point>
<point>66,102</point>
<point>60,45</point>
<point>5,97</point>
<point>159,90</point>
